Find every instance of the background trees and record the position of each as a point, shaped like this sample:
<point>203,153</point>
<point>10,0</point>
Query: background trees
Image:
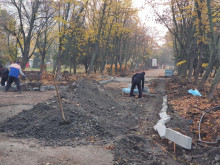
<point>8,49</point>
<point>94,33</point>
<point>194,26</point>
<point>100,33</point>
<point>27,28</point>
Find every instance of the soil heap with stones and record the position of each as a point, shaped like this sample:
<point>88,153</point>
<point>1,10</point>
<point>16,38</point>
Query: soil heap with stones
<point>93,116</point>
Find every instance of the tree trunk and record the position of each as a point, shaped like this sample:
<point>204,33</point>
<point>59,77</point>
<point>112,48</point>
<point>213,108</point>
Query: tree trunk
<point>116,62</point>
<point>214,84</point>
<point>206,75</point>
<point>198,69</point>
<point>59,61</point>
<point>192,58</point>
<point>112,62</point>
<point>74,69</point>
<point>25,59</point>
<point>98,38</point>
<point>213,49</point>
<point>102,65</point>
<point>86,64</point>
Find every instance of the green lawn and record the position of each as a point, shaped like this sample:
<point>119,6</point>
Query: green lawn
<point>79,70</point>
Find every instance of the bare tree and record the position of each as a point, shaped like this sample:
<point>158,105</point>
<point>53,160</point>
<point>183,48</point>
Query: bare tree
<point>28,28</point>
<point>47,36</point>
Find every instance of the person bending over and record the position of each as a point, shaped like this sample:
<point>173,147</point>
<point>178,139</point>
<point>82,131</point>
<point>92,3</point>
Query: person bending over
<point>136,81</point>
<point>15,70</point>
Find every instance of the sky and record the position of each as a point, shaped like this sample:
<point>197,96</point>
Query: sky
<point>148,18</point>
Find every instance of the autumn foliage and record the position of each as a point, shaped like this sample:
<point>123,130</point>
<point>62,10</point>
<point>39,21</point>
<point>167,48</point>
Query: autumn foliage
<point>112,70</point>
<point>193,107</point>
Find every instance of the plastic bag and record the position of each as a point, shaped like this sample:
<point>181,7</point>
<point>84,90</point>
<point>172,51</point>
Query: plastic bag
<point>194,92</point>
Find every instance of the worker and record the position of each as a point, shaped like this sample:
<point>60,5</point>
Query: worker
<point>15,70</point>
<point>136,81</point>
<point>4,74</point>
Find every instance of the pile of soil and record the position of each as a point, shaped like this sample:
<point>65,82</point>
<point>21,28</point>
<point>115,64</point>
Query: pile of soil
<point>88,108</point>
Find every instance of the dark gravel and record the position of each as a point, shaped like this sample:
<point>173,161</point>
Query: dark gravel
<point>89,109</point>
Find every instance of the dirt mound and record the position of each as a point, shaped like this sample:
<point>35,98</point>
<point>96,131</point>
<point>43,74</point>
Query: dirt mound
<point>94,115</point>
<point>96,102</point>
<point>127,146</point>
<point>42,122</point>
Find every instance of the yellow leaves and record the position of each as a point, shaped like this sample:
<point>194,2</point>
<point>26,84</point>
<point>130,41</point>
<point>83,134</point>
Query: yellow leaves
<point>214,20</point>
<point>204,65</point>
<point>179,18</point>
<point>180,63</point>
<point>215,14</point>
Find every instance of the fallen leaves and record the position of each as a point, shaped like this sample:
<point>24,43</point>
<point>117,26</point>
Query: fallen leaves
<point>111,147</point>
<point>193,107</point>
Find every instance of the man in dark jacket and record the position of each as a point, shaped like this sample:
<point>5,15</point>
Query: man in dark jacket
<point>4,74</point>
<point>136,80</point>
<point>15,70</point>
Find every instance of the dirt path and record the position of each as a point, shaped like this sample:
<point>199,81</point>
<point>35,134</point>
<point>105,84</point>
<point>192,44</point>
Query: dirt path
<point>11,103</point>
<point>106,127</point>
<point>26,152</point>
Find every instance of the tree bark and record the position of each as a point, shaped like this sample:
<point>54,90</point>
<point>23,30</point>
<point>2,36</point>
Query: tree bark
<point>98,38</point>
<point>214,84</point>
<point>216,47</point>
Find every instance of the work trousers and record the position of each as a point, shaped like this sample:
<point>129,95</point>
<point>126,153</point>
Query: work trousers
<point>139,89</point>
<point>3,80</point>
<point>10,81</point>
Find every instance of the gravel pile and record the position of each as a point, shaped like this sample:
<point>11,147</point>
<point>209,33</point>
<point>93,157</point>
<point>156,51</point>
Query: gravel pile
<point>92,113</point>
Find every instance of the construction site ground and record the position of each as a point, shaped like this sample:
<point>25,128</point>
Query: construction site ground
<point>105,127</point>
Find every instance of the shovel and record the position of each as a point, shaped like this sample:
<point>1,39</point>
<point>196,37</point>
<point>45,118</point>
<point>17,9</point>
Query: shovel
<point>27,79</point>
<point>60,104</point>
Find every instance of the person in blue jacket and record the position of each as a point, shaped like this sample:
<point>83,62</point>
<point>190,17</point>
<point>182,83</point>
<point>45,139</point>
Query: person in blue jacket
<point>136,81</point>
<point>15,70</point>
<point>4,74</point>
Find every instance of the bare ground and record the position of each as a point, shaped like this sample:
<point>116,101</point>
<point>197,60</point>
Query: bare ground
<point>105,127</point>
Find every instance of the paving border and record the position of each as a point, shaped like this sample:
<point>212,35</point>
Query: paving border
<point>175,136</point>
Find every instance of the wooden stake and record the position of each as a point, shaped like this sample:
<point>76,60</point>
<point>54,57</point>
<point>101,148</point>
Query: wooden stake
<point>174,147</point>
<point>58,95</point>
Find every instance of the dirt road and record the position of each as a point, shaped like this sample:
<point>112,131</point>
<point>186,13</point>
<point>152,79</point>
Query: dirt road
<point>105,127</point>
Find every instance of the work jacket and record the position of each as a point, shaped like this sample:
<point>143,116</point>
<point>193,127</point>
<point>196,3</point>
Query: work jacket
<point>137,78</point>
<point>15,70</point>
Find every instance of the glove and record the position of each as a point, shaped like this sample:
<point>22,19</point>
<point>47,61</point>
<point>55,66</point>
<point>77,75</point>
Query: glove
<point>24,77</point>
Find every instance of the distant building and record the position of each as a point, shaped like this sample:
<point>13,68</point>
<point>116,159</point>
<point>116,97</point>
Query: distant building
<point>31,62</point>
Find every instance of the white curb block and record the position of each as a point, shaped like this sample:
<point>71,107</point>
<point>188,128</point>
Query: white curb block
<point>165,99</point>
<point>163,114</point>
<point>164,120</point>
<point>164,104</point>
<point>164,109</point>
<point>161,129</point>
<point>178,138</point>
